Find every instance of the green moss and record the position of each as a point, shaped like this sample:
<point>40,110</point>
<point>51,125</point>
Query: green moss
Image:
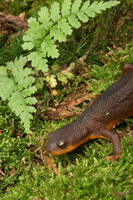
<point>88,177</point>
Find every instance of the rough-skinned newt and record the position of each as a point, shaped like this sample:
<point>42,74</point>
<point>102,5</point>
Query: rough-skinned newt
<point>111,107</point>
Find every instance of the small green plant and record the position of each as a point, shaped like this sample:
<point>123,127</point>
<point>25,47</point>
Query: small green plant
<point>43,35</point>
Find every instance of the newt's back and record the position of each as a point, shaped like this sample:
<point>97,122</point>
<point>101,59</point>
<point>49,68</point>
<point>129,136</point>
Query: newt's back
<point>115,104</point>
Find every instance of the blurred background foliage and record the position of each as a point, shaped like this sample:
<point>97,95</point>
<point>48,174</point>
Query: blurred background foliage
<point>83,174</point>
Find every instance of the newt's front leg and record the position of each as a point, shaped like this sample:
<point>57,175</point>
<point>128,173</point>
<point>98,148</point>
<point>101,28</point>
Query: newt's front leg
<point>115,139</point>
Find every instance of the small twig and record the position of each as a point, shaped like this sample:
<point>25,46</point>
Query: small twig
<point>42,156</point>
<point>123,194</point>
<point>83,58</point>
<point>2,173</point>
<point>75,108</point>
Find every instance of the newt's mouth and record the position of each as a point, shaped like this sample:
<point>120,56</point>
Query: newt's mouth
<point>57,151</point>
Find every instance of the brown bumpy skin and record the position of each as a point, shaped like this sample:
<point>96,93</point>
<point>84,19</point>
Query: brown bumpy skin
<point>111,107</point>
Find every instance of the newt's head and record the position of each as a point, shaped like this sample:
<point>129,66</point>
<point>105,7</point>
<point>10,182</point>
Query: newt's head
<point>66,138</point>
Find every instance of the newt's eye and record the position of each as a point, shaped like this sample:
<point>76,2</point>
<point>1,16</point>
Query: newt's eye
<point>62,145</point>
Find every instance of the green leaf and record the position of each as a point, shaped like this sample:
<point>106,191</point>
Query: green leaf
<point>42,65</point>
<point>97,7</point>
<point>64,26</point>
<point>68,74</point>
<point>74,21</point>
<point>29,41</point>
<point>62,77</point>
<point>109,4</point>
<point>14,67</point>
<point>33,38</point>
<point>7,88</point>
<point>55,11</point>
<point>30,100</point>
<point>27,37</point>
<point>75,6</point>
<point>26,117</point>
<point>2,71</point>
<point>27,81</point>
<point>38,61</point>
<point>90,13</point>
<point>44,17</point>
<point>30,89</point>
<point>32,56</point>
<point>50,48</point>
<point>85,5</point>
<point>82,17</point>
<point>32,109</point>
<point>17,88</point>
<point>51,80</point>
<point>65,11</point>
<point>28,45</point>
<point>57,34</point>
<point>33,23</point>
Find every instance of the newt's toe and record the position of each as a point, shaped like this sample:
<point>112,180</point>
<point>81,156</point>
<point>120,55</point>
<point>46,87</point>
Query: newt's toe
<point>113,157</point>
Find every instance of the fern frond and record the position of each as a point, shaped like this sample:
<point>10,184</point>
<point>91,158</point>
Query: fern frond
<point>55,12</point>
<point>65,10</point>
<point>38,60</point>
<point>48,45</point>
<point>17,88</point>
<point>76,5</point>
<point>64,26</point>
<point>56,25</point>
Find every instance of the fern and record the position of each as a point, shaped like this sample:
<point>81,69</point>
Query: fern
<point>17,88</point>
<point>54,26</point>
<point>40,40</point>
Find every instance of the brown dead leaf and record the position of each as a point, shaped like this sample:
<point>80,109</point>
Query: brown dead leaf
<point>68,106</point>
<point>13,171</point>
<point>60,114</point>
<point>22,16</point>
<point>53,165</point>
